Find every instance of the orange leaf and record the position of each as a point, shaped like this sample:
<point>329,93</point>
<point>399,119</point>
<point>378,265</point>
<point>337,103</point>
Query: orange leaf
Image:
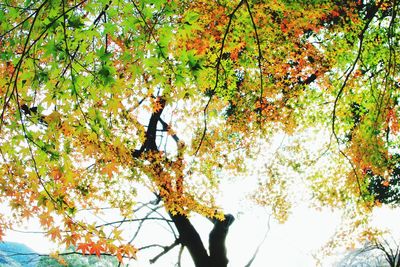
<point>54,233</point>
<point>71,240</point>
<point>110,168</point>
<point>84,247</point>
<point>385,183</point>
<point>96,248</point>
<point>56,174</point>
<point>45,219</point>
<point>119,256</point>
<point>53,118</point>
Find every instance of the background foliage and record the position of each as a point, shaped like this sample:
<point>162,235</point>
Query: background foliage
<point>101,98</point>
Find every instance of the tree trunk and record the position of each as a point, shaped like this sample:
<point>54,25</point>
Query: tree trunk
<point>217,239</point>
<point>190,238</point>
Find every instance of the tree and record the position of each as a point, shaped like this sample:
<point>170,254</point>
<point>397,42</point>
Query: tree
<point>101,98</point>
<point>363,258</point>
<point>379,252</point>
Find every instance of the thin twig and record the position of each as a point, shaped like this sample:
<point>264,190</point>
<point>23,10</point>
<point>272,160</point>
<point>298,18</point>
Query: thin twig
<point>260,244</point>
<point>370,16</point>
<point>165,251</point>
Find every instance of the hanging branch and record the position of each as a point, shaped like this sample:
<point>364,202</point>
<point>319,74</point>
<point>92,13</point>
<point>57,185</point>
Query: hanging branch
<point>217,73</point>
<point>370,15</point>
<point>259,58</point>
<point>260,244</point>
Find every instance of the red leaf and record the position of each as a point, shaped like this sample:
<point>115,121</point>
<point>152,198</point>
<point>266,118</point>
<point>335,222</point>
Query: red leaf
<point>96,248</point>
<point>84,247</point>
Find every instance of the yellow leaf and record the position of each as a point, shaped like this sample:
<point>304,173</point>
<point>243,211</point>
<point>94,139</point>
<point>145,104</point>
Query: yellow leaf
<point>117,234</point>
<point>53,118</point>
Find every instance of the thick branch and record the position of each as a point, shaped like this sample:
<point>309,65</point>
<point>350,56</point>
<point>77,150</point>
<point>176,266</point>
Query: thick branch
<point>150,142</point>
<point>191,239</point>
<point>309,79</point>
<point>217,241</point>
<point>188,236</point>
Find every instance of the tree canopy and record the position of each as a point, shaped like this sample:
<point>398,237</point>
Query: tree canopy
<point>102,97</point>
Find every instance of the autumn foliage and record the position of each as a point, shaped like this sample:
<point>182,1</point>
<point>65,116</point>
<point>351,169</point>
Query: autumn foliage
<point>100,98</point>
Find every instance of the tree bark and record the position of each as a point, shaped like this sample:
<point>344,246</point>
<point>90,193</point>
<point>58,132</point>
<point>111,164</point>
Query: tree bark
<point>217,239</point>
<point>188,236</point>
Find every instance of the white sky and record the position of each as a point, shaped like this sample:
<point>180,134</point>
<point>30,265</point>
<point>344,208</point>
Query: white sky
<point>290,244</point>
<point>287,245</point>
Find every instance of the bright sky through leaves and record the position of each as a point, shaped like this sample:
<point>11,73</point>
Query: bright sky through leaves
<point>102,99</point>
